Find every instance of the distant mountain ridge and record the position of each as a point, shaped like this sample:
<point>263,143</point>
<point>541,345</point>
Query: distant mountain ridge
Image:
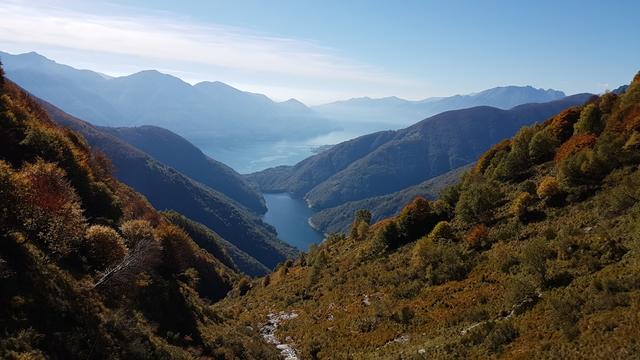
<point>402,111</point>
<point>386,162</point>
<point>217,110</point>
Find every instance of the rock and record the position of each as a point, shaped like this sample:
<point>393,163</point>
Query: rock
<point>268,332</point>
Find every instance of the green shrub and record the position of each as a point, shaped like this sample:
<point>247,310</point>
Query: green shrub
<point>441,232</point>
<point>244,285</point>
<point>360,225</point>
<point>543,146</point>
<point>385,238</point>
<point>451,194</point>
<point>590,121</point>
<point>520,205</point>
<point>439,262</point>
<point>565,312</point>
<point>534,257</point>
<point>477,201</point>
<point>517,161</point>
<point>517,289</point>
<point>528,187</point>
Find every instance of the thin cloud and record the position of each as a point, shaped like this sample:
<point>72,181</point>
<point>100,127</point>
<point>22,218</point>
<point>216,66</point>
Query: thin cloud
<point>164,38</point>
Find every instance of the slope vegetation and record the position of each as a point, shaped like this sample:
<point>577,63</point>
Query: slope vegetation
<point>387,162</point>
<point>175,151</point>
<point>339,218</point>
<point>167,188</point>
<point>534,254</point>
<point>88,269</point>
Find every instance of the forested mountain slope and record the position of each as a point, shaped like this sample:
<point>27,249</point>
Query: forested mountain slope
<point>339,218</point>
<point>88,269</point>
<point>534,254</point>
<point>386,162</point>
<point>167,188</point>
<point>173,150</point>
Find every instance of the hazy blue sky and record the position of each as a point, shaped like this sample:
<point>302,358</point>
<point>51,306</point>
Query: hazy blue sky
<point>325,50</point>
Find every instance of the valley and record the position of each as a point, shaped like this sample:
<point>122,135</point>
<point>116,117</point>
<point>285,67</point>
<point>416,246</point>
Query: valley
<point>319,180</point>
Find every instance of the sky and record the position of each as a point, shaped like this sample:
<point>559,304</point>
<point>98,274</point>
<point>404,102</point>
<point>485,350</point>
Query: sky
<point>326,50</point>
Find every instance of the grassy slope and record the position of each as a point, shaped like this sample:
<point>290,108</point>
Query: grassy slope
<point>568,266</point>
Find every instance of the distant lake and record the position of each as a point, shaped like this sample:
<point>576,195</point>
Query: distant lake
<point>246,156</point>
<point>290,218</point>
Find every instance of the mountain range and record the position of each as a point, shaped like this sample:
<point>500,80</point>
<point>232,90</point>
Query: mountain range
<point>399,111</point>
<point>214,111</point>
<point>389,161</point>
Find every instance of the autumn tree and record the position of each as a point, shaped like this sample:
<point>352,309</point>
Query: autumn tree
<point>520,204</point>
<point>143,255</point>
<point>549,187</point>
<point>415,219</point>
<point>477,236</point>
<point>50,210</point>
<point>105,246</point>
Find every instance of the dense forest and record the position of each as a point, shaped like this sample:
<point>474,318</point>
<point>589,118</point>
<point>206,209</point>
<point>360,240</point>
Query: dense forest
<point>88,268</point>
<point>533,254</point>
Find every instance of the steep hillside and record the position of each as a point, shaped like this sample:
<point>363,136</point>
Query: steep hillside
<point>88,269</point>
<point>386,162</point>
<point>339,218</point>
<point>312,171</point>
<point>215,244</point>
<point>534,254</point>
<point>429,148</point>
<point>215,110</point>
<point>167,188</point>
<point>404,112</point>
<point>175,151</point>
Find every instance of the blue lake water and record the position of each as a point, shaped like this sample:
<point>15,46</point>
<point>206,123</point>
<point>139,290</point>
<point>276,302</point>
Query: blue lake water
<point>290,218</point>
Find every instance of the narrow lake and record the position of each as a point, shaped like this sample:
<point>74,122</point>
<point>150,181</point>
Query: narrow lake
<point>290,218</point>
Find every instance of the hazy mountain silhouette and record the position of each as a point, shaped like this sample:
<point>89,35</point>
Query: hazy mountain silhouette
<point>214,109</point>
<point>404,112</point>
